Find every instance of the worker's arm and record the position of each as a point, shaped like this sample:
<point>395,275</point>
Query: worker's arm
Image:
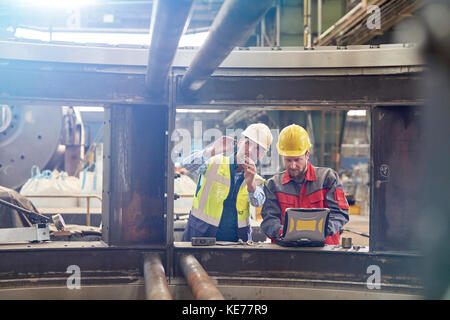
<point>198,161</point>
<point>271,213</point>
<point>257,198</point>
<point>337,203</point>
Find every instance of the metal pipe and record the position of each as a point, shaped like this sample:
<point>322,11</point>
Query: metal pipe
<point>156,287</point>
<point>307,23</point>
<point>278,13</point>
<point>31,214</point>
<point>202,287</point>
<point>169,19</point>
<point>233,25</point>
<point>263,32</point>
<point>319,17</point>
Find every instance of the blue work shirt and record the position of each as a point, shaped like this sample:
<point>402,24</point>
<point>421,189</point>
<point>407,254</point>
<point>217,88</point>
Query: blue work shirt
<point>228,223</point>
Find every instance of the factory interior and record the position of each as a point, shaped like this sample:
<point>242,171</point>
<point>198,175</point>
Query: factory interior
<point>95,199</point>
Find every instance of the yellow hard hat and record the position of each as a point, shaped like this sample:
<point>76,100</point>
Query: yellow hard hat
<point>293,141</point>
<point>259,133</point>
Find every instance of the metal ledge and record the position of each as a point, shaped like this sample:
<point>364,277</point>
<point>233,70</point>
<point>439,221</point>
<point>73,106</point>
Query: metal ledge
<point>362,75</point>
<point>399,272</point>
<point>384,56</point>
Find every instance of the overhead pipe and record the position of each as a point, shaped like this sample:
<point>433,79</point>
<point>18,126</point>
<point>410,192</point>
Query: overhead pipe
<point>307,28</point>
<point>309,24</point>
<point>156,287</point>
<point>200,283</point>
<point>319,17</point>
<point>169,20</point>
<point>232,26</point>
<point>278,23</point>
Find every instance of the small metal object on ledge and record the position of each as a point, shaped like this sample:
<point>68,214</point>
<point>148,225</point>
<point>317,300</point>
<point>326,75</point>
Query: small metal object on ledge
<point>346,243</point>
<point>203,241</point>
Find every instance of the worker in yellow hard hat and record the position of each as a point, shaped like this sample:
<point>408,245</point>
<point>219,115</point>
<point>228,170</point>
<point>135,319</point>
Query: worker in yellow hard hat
<point>227,185</point>
<point>302,185</point>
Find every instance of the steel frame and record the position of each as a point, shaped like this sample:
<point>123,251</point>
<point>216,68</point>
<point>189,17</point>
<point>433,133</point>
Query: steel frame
<point>121,88</point>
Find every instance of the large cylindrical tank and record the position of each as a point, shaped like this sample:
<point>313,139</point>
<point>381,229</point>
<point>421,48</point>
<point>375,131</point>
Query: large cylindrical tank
<point>29,135</point>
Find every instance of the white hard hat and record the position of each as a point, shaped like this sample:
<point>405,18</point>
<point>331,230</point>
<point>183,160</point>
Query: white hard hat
<point>259,133</point>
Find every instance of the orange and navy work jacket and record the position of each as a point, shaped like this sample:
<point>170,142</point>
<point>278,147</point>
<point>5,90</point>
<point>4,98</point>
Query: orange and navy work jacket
<point>321,188</point>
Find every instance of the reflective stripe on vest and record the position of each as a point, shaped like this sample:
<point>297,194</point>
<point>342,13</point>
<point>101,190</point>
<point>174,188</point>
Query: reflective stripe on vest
<point>214,189</point>
<point>242,206</point>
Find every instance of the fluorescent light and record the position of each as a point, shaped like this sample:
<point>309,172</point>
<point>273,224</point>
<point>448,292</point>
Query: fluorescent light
<point>107,38</point>
<point>143,39</point>
<point>357,113</point>
<point>90,109</point>
<point>58,3</point>
<point>32,34</point>
<point>198,111</point>
<point>108,18</point>
<point>193,39</point>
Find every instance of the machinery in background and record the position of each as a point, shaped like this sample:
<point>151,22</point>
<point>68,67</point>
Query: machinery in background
<point>28,136</point>
<point>20,221</point>
<point>49,137</point>
<point>45,156</point>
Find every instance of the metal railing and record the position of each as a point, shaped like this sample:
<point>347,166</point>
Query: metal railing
<point>77,196</point>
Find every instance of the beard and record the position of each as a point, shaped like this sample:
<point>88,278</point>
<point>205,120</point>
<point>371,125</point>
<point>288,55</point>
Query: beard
<point>296,173</point>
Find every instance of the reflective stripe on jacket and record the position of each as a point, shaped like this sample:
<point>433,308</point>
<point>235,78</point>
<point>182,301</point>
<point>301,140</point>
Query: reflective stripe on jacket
<point>213,188</point>
<point>321,188</point>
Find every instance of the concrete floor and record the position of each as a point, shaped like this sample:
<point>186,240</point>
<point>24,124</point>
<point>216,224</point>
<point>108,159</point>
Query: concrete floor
<point>180,291</point>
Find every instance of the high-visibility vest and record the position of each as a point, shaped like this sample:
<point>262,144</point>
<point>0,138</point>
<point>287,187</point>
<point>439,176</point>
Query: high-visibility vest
<point>213,188</point>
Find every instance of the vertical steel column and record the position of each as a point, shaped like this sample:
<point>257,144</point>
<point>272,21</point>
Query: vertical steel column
<point>136,174</point>
<point>170,176</point>
<point>156,287</point>
<point>169,19</point>
<point>202,287</point>
<point>434,153</point>
<point>396,142</point>
<point>233,25</point>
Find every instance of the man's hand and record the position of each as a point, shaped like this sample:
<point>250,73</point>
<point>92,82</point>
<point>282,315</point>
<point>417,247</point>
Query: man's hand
<point>222,145</point>
<point>249,174</point>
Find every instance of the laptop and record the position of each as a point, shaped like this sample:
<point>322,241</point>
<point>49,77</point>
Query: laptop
<point>304,227</point>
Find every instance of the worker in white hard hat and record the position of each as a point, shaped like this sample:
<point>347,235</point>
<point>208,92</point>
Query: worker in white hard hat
<point>228,185</point>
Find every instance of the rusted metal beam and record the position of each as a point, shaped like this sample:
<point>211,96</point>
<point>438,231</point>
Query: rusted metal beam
<point>169,18</point>
<point>313,91</point>
<point>134,178</point>
<point>202,287</point>
<point>156,287</point>
<point>233,25</point>
<point>399,270</point>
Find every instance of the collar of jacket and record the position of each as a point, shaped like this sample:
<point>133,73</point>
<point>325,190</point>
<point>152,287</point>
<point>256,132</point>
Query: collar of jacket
<point>310,174</point>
